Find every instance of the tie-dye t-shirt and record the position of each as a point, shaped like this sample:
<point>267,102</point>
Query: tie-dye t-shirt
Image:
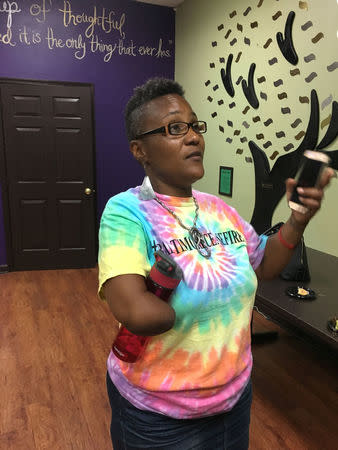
<point>201,366</point>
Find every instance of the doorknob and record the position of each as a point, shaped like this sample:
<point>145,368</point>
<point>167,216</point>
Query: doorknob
<point>88,191</point>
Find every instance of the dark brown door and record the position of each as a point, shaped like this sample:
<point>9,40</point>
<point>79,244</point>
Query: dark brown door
<point>49,154</point>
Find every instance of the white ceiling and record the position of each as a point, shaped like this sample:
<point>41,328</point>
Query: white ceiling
<point>172,3</point>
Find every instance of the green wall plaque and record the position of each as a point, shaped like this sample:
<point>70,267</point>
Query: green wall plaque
<point>225,180</point>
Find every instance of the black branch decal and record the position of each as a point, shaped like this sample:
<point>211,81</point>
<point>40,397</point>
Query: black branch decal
<point>226,77</point>
<point>249,88</point>
<point>332,131</point>
<point>285,42</point>
<point>270,184</point>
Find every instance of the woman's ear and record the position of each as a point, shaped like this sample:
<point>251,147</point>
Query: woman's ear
<point>138,152</point>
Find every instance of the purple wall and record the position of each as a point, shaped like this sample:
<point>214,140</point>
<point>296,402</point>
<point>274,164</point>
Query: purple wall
<point>30,54</point>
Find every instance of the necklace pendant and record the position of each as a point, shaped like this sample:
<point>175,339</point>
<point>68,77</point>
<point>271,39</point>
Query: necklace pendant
<point>199,240</point>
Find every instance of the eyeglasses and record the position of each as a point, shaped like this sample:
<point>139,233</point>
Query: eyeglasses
<point>179,128</point>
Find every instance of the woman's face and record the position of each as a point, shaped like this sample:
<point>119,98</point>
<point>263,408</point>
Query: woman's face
<point>172,163</point>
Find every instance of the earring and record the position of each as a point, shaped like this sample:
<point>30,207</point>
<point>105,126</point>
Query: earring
<point>146,190</point>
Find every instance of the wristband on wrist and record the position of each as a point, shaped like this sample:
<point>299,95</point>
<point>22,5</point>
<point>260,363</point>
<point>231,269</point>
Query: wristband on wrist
<point>283,241</point>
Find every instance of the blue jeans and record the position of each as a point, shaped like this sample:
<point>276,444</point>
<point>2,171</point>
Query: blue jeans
<point>134,429</point>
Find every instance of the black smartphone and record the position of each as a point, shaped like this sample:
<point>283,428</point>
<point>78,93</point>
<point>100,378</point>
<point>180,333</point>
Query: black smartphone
<point>308,175</point>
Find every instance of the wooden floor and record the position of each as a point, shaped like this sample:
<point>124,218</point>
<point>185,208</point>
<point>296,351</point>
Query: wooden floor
<point>55,336</point>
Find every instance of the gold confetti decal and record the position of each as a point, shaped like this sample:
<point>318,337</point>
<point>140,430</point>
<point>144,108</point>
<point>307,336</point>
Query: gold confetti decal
<point>256,119</point>
<point>304,5</point>
<point>294,72</point>
<point>282,95</point>
<point>317,38</point>
<point>304,99</point>
<point>260,3</point>
<point>239,151</point>
<point>237,132</point>
<point>274,154</point>
<point>326,122</point>
<point>300,135</point>
<point>260,136</point>
<point>246,110</point>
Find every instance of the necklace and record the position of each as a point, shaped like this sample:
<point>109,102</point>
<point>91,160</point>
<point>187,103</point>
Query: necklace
<point>193,231</point>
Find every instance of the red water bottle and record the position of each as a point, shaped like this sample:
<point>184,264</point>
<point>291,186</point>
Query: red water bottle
<point>165,275</point>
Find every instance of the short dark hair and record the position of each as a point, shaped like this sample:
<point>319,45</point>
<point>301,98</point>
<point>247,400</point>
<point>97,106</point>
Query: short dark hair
<point>153,88</point>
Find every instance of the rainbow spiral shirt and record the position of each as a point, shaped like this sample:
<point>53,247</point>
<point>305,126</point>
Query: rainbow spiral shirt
<point>201,366</point>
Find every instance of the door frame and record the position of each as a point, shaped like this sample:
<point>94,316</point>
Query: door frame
<point>3,166</point>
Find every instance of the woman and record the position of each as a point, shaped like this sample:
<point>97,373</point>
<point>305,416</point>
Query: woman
<point>191,389</point>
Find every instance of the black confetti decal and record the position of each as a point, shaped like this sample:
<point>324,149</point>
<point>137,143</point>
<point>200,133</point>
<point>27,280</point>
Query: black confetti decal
<point>296,123</point>
<point>244,139</point>
<point>280,134</point>
<point>261,79</point>
<point>286,110</point>
<point>212,65</point>
<point>228,34</point>
<point>215,87</point>
<point>214,44</point>
<point>221,129</point>
<point>273,61</point>
<point>267,144</point>
<point>260,3</point>
<point>256,119</point>
<point>246,12</point>
<point>233,14</point>
<point>232,105</point>
<point>278,82</point>
<point>229,140</point>
<point>248,159</point>
<point>268,122</point>
<point>277,15</point>
<point>220,102</point>
<point>239,80</point>
<point>233,42</point>
<point>289,147</point>
<point>214,114</point>
<point>247,41</point>
<point>222,60</point>
<point>230,123</point>
<point>210,98</point>
<point>238,57</point>
<point>264,96</point>
<point>237,132</point>
<point>254,25</point>
<point>239,151</point>
<point>267,43</point>
<point>260,136</point>
<point>220,27</point>
<point>282,95</point>
<point>239,27</point>
<point>207,83</point>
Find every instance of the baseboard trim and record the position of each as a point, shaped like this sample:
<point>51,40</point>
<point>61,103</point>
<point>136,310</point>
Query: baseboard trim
<point>4,268</point>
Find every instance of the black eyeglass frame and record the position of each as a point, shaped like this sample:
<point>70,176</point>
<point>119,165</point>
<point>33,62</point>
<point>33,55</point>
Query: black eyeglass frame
<point>167,128</point>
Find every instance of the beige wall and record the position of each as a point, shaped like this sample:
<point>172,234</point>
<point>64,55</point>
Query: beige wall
<point>197,27</point>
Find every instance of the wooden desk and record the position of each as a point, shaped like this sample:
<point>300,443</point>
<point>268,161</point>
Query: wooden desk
<point>309,317</point>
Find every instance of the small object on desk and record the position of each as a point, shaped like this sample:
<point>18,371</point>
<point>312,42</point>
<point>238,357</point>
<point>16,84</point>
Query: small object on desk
<point>301,293</point>
<point>333,324</point>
